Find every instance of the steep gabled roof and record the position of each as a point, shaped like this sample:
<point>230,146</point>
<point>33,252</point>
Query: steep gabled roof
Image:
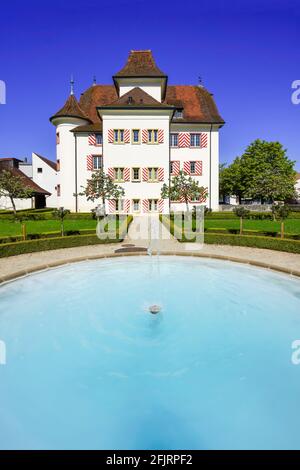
<point>140,64</point>
<point>198,104</point>
<point>71,108</point>
<point>50,163</point>
<point>137,98</point>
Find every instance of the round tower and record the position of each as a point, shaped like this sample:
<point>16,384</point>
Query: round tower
<point>65,120</point>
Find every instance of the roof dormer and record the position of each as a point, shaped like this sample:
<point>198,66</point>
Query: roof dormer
<point>141,71</point>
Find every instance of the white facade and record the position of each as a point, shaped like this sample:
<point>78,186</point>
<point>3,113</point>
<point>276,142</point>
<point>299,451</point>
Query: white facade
<point>128,162</point>
<point>45,176</point>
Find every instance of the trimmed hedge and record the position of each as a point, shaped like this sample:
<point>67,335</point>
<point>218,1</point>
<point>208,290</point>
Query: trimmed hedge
<point>44,244</point>
<point>31,246</point>
<point>291,246</point>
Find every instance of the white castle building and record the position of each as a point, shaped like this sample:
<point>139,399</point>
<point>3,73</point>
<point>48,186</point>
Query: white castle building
<point>141,131</point>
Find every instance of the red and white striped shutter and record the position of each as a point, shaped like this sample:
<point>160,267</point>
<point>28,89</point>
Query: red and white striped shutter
<point>126,174</point>
<point>126,136</point>
<point>145,136</point>
<point>89,162</point>
<point>160,174</point>
<point>145,205</point>
<point>176,168</point>
<point>203,140</point>
<point>187,168</point>
<point>112,205</point>
<point>111,173</point>
<point>198,168</point>
<point>92,139</point>
<point>204,197</point>
<point>183,139</point>
<point>160,204</point>
<point>110,136</point>
<point>145,174</point>
<point>126,205</point>
<point>160,136</point>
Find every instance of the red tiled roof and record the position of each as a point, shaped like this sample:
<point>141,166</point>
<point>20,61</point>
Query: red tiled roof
<point>98,95</point>
<point>140,64</point>
<point>96,127</point>
<point>51,163</point>
<point>198,104</point>
<point>137,98</point>
<point>71,108</point>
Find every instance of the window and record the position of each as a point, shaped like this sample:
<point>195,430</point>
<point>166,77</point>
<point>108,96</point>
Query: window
<point>57,138</point>
<point>136,174</point>
<point>178,114</point>
<point>98,139</point>
<point>171,167</point>
<point>153,174</point>
<point>192,168</point>
<point>118,136</point>
<point>136,205</point>
<point>174,140</point>
<point>58,190</point>
<point>119,205</point>
<point>97,162</point>
<point>153,205</point>
<point>40,170</point>
<point>152,136</point>
<point>195,140</point>
<point>119,174</point>
<point>135,136</point>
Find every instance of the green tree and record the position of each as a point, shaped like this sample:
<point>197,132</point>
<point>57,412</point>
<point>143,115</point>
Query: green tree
<point>280,212</point>
<point>263,172</point>
<point>101,186</point>
<point>13,187</point>
<point>183,187</point>
<point>61,214</point>
<point>230,181</point>
<point>242,213</point>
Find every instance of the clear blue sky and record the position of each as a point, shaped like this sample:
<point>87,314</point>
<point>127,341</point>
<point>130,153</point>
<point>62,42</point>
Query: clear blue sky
<point>247,52</point>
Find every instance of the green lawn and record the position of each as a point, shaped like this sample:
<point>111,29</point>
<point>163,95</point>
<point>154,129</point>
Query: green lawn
<point>11,228</point>
<point>291,225</point>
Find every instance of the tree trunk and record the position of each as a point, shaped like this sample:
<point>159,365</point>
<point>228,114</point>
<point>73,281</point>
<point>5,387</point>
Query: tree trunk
<point>282,229</point>
<point>13,204</point>
<point>62,228</point>
<point>241,225</point>
<point>187,205</point>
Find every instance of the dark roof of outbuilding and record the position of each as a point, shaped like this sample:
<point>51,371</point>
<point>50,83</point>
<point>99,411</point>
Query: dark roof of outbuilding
<point>28,182</point>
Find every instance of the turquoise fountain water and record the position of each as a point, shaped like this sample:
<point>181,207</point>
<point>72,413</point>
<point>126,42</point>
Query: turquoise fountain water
<point>89,367</point>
